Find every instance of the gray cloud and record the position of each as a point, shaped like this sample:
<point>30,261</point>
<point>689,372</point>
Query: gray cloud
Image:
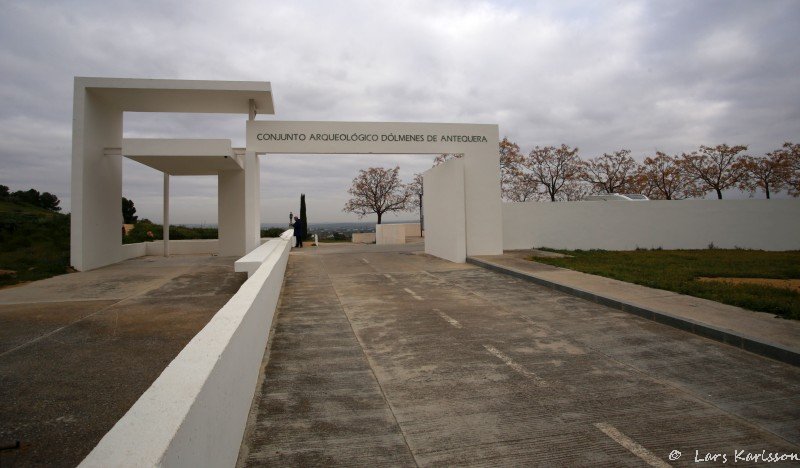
<point>667,75</point>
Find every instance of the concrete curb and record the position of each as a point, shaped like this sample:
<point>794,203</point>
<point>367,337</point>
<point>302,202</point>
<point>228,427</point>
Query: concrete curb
<point>739,340</point>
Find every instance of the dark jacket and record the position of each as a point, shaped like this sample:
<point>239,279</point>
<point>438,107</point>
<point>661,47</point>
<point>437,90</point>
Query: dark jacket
<point>298,228</point>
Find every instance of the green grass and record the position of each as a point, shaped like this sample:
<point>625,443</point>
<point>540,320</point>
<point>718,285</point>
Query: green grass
<point>677,270</point>
<point>8,207</point>
<point>34,242</point>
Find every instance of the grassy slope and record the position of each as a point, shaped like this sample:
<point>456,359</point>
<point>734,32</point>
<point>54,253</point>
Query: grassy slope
<point>676,270</point>
<point>34,242</point>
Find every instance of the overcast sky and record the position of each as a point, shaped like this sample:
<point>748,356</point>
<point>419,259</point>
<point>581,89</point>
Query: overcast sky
<point>668,75</point>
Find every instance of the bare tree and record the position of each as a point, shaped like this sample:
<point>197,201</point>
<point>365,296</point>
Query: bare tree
<point>415,189</point>
<point>521,188</point>
<point>610,173</point>
<point>514,184</point>
<point>553,167</point>
<point>575,190</point>
<point>716,168</point>
<point>791,176</point>
<point>377,190</point>
<point>666,178</point>
<point>767,173</point>
<point>641,182</point>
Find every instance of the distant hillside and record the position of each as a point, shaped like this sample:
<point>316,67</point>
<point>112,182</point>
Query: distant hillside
<point>34,242</point>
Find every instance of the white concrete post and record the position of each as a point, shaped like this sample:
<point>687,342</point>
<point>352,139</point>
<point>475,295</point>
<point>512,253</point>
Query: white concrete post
<point>482,201</point>
<point>166,215</point>
<point>252,200</point>
<point>232,213</point>
<point>96,182</point>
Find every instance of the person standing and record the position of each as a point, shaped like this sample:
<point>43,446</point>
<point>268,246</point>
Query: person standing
<point>298,232</point>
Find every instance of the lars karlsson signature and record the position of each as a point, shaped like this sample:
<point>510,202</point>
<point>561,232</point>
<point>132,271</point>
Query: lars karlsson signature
<point>739,456</point>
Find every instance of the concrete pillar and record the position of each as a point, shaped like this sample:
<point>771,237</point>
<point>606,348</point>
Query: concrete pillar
<point>482,202</point>
<point>166,215</point>
<point>96,182</point>
<point>232,215</point>
<point>252,201</point>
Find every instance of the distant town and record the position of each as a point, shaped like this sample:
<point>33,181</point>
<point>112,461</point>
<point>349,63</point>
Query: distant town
<point>336,231</point>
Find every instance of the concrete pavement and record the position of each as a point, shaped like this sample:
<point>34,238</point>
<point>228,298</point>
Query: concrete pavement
<point>397,358</point>
<point>77,350</point>
<point>758,332</point>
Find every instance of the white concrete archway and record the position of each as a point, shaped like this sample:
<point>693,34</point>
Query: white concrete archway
<point>97,129</point>
<point>477,177</point>
<point>97,144</point>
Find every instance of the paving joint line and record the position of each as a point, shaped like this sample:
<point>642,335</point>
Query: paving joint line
<point>372,371</point>
<point>738,340</point>
<point>413,294</point>
<point>448,318</point>
<point>632,446</point>
<point>666,383</point>
<point>515,365</point>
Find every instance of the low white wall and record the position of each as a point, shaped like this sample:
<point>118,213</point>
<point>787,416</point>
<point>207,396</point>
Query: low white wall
<point>251,262</point>
<point>363,238</point>
<point>176,247</point>
<point>134,250</point>
<point>390,234</point>
<point>445,214</point>
<point>679,224</point>
<point>184,247</point>
<point>411,229</point>
<point>195,412</point>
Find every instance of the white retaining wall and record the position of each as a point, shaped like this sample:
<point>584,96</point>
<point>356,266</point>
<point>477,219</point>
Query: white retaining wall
<point>390,234</point>
<point>195,412</point>
<point>677,224</point>
<point>445,214</point>
<point>363,238</point>
<point>176,247</point>
<point>184,247</point>
<point>134,250</point>
<point>411,229</point>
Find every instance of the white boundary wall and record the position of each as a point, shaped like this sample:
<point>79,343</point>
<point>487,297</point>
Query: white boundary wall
<point>176,247</point>
<point>195,412</point>
<point>412,229</point>
<point>681,224</point>
<point>390,234</point>
<point>363,238</point>
<point>185,247</point>
<point>135,250</point>
<point>445,216</point>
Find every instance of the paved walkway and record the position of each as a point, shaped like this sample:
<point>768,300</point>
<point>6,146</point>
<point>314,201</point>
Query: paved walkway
<point>77,350</point>
<point>758,327</point>
<point>397,358</point>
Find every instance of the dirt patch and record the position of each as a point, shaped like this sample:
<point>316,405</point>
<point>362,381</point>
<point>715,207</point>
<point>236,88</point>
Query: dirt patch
<point>793,284</point>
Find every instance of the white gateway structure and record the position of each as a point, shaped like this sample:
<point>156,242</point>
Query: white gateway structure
<point>462,197</point>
